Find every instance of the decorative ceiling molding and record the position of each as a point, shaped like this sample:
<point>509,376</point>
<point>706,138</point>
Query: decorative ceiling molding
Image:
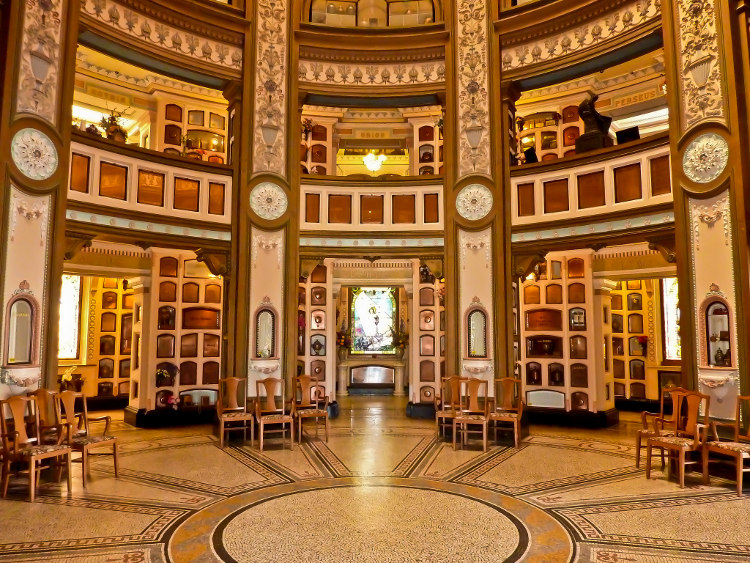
<point>583,33</point>
<point>313,54</point>
<point>150,81</point>
<point>372,74</point>
<point>159,29</point>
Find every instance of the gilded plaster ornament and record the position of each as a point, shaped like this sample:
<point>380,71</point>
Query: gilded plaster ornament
<point>268,201</point>
<point>474,202</point>
<point>705,158</point>
<point>34,154</point>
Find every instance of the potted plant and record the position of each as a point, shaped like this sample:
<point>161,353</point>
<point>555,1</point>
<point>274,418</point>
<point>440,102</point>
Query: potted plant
<point>344,343</point>
<point>400,340</point>
<point>112,125</point>
<point>307,127</point>
<point>163,378</point>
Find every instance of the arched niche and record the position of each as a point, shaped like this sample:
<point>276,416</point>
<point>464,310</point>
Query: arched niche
<point>716,332</point>
<point>476,332</point>
<point>265,345</point>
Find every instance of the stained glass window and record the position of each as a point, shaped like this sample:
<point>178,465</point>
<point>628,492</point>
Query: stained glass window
<point>70,317</point>
<point>374,317</point>
<point>671,311</point>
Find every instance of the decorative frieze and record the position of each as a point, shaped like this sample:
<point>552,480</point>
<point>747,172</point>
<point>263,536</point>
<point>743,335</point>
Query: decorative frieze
<point>473,86</point>
<point>38,73</point>
<point>270,87</point>
<point>395,74</point>
<point>700,70</point>
<point>709,214</point>
<point>162,35</point>
<point>592,33</point>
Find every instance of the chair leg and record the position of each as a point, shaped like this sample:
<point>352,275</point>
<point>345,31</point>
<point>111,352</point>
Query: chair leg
<point>299,429</point>
<point>637,450</point>
<point>114,455</point>
<point>261,435</point>
<point>84,464</point>
<point>648,461</point>
<point>221,434</point>
<point>326,429</point>
<point>291,430</point>
<point>6,476</point>
<point>69,471</point>
<point>454,435</point>
<point>516,432</point>
<point>738,461</point>
<point>704,466</point>
<point>32,479</point>
<point>681,468</point>
<point>484,436</point>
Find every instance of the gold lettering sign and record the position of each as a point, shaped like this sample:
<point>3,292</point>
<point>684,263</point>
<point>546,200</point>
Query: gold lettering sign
<point>373,134</point>
<point>636,98</point>
<point>113,97</point>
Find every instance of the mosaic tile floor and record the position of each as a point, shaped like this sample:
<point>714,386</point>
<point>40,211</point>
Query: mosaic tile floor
<point>382,489</point>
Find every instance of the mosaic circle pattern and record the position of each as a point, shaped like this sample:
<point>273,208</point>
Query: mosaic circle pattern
<point>375,523</point>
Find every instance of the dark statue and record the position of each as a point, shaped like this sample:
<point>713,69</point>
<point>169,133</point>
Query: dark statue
<point>595,127</point>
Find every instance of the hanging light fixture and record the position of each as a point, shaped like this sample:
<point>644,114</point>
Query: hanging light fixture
<point>373,162</point>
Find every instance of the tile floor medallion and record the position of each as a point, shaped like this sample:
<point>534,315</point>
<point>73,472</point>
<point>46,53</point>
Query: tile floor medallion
<point>382,489</point>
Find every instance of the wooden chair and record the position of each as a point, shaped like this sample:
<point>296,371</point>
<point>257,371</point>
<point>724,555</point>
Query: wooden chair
<point>79,435</point>
<point>20,446</point>
<point>738,449</point>
<point>447,404</point>
<point>231,409</point>
<point>667,394</point>
<point>312,403</point>
<point>269,412</point>
<point>682,434</point>
<point>473,411</point>
<point>49,428</point>
<point>508,406</point>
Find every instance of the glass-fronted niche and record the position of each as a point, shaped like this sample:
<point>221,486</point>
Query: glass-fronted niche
<point>373,13</point>
<point>374,320</point>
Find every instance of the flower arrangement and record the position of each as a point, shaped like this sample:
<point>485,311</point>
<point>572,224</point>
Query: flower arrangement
<point>400,338</point>
<point>112,125</point>
<point>172,401</point>
<point>163,378</point>
<point>643,340</point>
<point>307,126</point>
<point>70,381</point>
<point>343,340</point>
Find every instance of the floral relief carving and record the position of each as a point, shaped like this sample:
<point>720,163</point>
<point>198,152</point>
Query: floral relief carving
<point>474,202</point>
<point>270,91</point>
<point>20,207</point>
<point>371,74</point>
<point>162,35</point>
<point>34,154</point>
<point>710,214</point>
<point>705,158</point>
<point>701,75</point>
<point>268,200</point>
<point>267,244</point>
<point>594,32</point>
<point>472,84</point>
<point>476,242</point>
<point>38,74</point>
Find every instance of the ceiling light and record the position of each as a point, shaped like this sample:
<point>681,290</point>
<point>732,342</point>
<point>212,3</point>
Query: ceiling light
<point>373,162</point>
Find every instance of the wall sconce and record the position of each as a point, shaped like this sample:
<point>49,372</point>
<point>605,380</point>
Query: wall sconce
<point>373,162</point>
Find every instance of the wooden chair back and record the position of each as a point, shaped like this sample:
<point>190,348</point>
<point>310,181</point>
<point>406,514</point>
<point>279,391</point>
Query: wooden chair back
<point>669,396</point>
<point>509,398</point>
<point>45,402</point>
<point>472,390</point>
<point>65,405</point>
<point>228,394</point>
<point>743,404</point>
<point>688,416</point>
<point>450,393</point>
<point>309,393</point>
<point>266,392</point>
<point>13,415</point>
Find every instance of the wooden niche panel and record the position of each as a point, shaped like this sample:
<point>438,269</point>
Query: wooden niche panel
<point>526,200</point>
<point>200,318</point>
<point>426,370</point>
<point>190,293</point>
<point>628,183</point>
<point>591,190</point>
<point>168,291</point>
<point>312,208</point>
<point>150,188</point>
<point>531,294</point>
<point>403,208</point>
<point>339,208</point>
<point>216,198</point>
<point>211,345</point>
<point>113,181</point>
<point>79,173</point>
<point>186,194</point>
<point>188,373</point>
<point>213,293</point>
<point>189,345</point>
<point>544,319</point>
<point>431,208</point>
<point>210,373</point>
<point>556,196</point>
<point>371,209</point>
<point>168,267</point>
<point>661,181</point>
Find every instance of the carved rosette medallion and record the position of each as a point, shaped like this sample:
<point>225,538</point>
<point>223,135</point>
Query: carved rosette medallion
<point>268,201</point>
<point>34,154</point>
<point>705,158</point>
<point>474,202</point>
